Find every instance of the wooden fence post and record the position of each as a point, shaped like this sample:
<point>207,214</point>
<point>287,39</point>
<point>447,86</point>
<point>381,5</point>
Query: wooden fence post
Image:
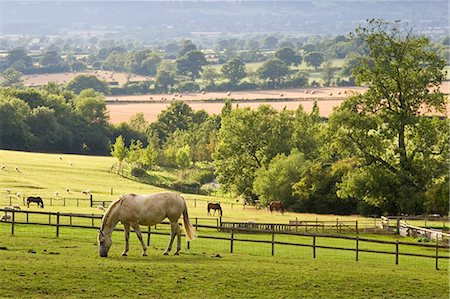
<point>49,218</point>
<point>273,240</point>
<point>10,200</point>
<point>437,252</point>
<point>112,190</point>
<point>337,225</point>
<point>357,247</point>
<point>90,200</point>
<point>64,202</point>
<point>12,222</point>
<point>231,241</point>
<point>70,219</point>
<point>26,213</point>
<point>148,235</point>
<point>396,253</point>
<point>78,203</point>
<point>92,219</point>
<point>314,245</point>
<point>57,224</point>
<point>195,202</point>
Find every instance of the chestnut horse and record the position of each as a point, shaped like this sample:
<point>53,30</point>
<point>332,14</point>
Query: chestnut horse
<point>215,207</point>
<point>133,210</point>
<point>276,206</point>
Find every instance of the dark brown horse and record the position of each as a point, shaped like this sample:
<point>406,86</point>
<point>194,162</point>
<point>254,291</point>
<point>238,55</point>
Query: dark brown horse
<point>214,206</point>
<point>37,200</point>
<point>276,206</point>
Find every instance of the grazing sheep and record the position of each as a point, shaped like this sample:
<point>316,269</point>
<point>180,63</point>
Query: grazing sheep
<point>56,193</point>
<point>281,95</point>
<point>330,94</point>
<point>203,92</point>
<point>3,167</point>
<point>229,93</point>
<point>102,208</point>
<point>67,190</point>
<point>8,190</point>
<point>19,195</point>
<point>306,91</point>
<point>339,93</point>
<point>86,192</point>
<point>5,217</point>
<point>313,92</point>
<point>16,207</point>
<point>71,164</point>
<point>60,158</point>
<point>17,169</point>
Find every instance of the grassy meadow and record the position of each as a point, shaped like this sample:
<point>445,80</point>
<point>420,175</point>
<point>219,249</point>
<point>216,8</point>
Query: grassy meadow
<point>36,264</point>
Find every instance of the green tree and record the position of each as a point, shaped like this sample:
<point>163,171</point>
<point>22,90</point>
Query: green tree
<point>327,73</point>
<point>276,181</point>
<point>399,150</point>
<point>82,82</point>
<point>51,58</point>
<point>14,130</point>
<point>183,157</point>
<point>149,156</point>
<point>288,56</point>
<point>119,150</point>
<point>11,78</point>
<point>234,71</point>
<point>191,63</point>
<point>314,59</point>
<point>247,141</point>
<point>273,71</point>
<point>165,76</point>
<point>90,105</point>
<point>134,153</point>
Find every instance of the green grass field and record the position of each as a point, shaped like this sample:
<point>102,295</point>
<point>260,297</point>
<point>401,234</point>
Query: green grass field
<point>36,264</point>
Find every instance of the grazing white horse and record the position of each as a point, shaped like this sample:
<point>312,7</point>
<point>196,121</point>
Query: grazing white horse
<point>133,210</point>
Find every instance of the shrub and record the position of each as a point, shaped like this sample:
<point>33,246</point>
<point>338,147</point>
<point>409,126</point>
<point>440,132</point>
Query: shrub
<point>138,172</point>
<point>187,86</point>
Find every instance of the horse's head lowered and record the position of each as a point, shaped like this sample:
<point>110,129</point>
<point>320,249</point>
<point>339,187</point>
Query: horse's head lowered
<point>104,243</point>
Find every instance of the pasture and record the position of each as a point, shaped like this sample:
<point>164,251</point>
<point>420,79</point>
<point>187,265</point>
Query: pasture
<point>34,263</point>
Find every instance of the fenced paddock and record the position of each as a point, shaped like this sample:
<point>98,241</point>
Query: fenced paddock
<point>234,239</point>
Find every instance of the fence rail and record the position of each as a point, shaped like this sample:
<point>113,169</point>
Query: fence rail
<point>233,231</point>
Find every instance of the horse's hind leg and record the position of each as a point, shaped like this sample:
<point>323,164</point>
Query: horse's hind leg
<point>178,232</point>
<point>126,227</point>
<point>173,229</point>
<point>139,235</point>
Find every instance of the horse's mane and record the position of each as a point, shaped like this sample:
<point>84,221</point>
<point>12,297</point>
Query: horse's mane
<point>110,208</point>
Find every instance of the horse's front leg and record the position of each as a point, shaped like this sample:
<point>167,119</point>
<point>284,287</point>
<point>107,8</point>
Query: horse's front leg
<point>173,229</point>
<point>139,235</point>
<point>178,240</point>
<point>126,227</point>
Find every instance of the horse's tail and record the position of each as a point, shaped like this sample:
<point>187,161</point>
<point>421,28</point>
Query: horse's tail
<point>187,226</point>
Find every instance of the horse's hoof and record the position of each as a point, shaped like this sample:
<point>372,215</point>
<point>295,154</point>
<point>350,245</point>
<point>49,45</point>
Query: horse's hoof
<point>124,254</point>
<point>166,253</point>
<point>144,254</point>
<point>176,253</point>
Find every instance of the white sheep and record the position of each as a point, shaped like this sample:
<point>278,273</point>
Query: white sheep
<point>67,190</point>
<point>86,192</point>
<point>229,93</point>
<point>8,190</point>
<point>330,94</point>
<point>17,169</point>
<point>60,158</point>
<point>102,208</point>
<point>5,217</point>
<point>56,193</point>
<point>16,206</point>
<point>313,92</point>
<point>3,167</point>
<point>71,164</point>
<point>19,195</point>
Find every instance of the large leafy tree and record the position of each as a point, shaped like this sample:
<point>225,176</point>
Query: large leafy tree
<point>273,71</point>
<point>248,140</point>
<point>82,82</point>
<point>191,63</point>
<point>314,59</point>
<point>399,150</point>
<point>234,71</point>
<point>288,56</point>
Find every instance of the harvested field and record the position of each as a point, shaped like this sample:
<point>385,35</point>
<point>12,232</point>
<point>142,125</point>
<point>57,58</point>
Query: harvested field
<point>120,112</point>
<point>62,78</point>
<point>121,108</point>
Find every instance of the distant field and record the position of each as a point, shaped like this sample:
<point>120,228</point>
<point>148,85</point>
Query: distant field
<point>62,78</point>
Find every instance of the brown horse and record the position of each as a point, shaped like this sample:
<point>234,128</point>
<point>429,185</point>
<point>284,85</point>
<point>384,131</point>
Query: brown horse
<point>214,206</point>
<point>276,206</point>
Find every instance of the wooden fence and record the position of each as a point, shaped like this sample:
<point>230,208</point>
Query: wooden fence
<point>49,201</point>
<point>57,223</point>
